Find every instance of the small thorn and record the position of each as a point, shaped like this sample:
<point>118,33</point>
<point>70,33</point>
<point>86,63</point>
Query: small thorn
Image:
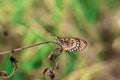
<point>12,51</point>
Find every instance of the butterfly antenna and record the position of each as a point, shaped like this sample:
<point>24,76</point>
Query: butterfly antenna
<point>51,33</point>
<point>55,35</point>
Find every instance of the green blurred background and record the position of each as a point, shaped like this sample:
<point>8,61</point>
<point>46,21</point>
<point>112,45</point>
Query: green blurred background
<point>24,22</point>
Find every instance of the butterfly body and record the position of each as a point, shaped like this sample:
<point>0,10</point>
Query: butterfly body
<point>70,44</point>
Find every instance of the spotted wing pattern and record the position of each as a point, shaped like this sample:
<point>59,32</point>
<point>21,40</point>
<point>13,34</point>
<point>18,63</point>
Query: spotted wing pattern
<point>73,44</point>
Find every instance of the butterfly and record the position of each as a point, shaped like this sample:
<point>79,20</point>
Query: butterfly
<point>71,44</point>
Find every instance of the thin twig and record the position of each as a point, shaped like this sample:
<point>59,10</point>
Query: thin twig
<point>22,48</point>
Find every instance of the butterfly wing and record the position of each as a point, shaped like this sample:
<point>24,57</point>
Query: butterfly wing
<point>82,44</point>
<point>68,43</point>
<point>71,44</point>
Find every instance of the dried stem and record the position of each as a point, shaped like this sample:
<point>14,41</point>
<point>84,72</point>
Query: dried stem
<point>22,48</point>
<point>4,74</point>
<point>49,71</point>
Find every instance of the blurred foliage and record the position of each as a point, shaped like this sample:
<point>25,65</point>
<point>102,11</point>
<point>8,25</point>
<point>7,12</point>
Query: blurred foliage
<point>24,22</point>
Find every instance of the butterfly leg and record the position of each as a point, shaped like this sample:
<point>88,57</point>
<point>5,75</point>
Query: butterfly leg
<point>51,57</point>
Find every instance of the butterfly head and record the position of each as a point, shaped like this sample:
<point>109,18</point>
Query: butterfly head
<point>59,40</point>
